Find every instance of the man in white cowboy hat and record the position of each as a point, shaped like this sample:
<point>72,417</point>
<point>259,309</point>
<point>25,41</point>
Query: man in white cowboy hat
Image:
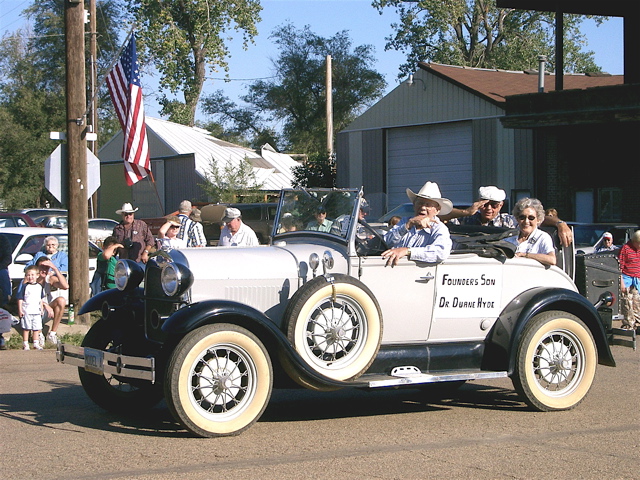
<point>235,233</point>
<point>134,235</point>
<point>486,212</point>
<point>424,237</point>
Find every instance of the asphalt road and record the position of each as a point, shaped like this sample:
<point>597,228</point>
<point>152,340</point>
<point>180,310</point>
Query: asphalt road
<point>49,429</point>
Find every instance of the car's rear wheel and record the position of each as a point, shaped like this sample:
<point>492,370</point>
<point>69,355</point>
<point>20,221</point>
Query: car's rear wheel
<point>335,326</point>
<point>110,392</point>
<point>219,380</point>
<point>556,361</point>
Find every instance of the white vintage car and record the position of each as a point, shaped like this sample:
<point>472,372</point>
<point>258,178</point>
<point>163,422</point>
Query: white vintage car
<point>214,330</point>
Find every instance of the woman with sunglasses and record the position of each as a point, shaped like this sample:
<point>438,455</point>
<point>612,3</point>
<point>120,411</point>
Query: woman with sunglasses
<point>531,242</point>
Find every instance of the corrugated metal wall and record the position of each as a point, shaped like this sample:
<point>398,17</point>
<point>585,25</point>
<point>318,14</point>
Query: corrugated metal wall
<point>498,156</point>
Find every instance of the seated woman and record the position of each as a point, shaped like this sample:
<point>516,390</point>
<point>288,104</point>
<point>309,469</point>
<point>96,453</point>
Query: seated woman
<point>531,242</point>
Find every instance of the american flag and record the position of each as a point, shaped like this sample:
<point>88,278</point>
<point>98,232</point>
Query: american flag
<point>123,82</point>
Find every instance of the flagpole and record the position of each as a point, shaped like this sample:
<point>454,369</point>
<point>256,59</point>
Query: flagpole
<point>104,77</point>
<point>151,179</point>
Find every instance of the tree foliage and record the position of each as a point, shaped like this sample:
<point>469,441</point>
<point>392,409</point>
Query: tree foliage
<point>32,97</point>
<point>295,99</point>
<point>232,183</point>
<point>476,33</point>
<point>183,39</point>
<point>296,95</point>
<point>240,125</point>
<point>317,172</point>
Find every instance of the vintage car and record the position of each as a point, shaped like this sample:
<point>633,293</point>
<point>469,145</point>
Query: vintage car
<point>214,330</point>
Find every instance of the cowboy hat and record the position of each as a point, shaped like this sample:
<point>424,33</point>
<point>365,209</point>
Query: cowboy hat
<point>431,191</point>
<point>126,208</point>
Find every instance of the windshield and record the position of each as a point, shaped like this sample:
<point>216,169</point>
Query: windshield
<point>321,210</point>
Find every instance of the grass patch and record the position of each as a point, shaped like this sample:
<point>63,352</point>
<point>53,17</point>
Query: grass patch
<point>15,341</point>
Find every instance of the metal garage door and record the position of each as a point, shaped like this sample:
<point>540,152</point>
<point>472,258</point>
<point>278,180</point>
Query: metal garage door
<point>438,153</point>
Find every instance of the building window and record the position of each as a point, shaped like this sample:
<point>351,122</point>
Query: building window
<point>609,204</point>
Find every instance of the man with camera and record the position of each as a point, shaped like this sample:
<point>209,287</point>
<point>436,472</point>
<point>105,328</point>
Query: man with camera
<point>134,235</point>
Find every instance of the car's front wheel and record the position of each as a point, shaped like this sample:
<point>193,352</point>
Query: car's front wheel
<point>556,361</point>
<point>219,380</point>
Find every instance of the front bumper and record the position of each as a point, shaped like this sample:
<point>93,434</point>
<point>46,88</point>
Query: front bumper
<point>107,363</point>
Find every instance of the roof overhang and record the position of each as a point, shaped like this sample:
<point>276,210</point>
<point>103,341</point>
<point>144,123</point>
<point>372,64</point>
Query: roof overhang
<point>610,8</point>
<point>600,105</point>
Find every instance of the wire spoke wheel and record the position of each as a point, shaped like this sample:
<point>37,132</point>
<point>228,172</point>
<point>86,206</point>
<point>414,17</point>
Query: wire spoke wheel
<point>335,326</point>
<point>556,361</point>
<point>219,380</point>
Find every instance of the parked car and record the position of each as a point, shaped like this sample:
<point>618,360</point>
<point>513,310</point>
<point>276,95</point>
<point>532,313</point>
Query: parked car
<point>587,234</point>
<point>100,228</point>
<point>27,241</point>
<point>15,219</point>
<point>39,212</point>
<point>402,210</point>
<point>214,330</point>
<point>51,220</point>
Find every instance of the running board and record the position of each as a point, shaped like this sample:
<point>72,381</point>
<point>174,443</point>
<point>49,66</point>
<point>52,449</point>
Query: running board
<point>401,376</point>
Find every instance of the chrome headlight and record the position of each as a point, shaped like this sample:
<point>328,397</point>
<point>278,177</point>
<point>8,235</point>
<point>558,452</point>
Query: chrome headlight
<point>127,275</point>
<point>175,279</point>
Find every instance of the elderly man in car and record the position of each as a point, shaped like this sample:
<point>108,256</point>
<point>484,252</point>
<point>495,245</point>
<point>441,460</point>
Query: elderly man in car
<point>486,212</point>
<point>423,237</point>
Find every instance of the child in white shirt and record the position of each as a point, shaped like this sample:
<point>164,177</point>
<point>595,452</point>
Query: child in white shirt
<point>31,306</point>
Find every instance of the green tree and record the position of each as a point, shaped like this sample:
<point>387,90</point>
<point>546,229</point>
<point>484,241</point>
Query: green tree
<point>28,112</point>
<point>183,39</point>
<point>296,95</point>
<point>232,183</point>
<point>242,126</point>
<point>32,96</point>
<point>316,171</point>
<point>476,33</point>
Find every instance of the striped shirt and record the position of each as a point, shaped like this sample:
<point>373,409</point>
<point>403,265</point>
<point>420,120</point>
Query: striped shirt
<point>630,260</point>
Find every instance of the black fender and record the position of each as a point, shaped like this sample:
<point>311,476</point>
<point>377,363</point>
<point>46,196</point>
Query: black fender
<point>207,312</point>
<point>116,305</point>
<point>502,342</point>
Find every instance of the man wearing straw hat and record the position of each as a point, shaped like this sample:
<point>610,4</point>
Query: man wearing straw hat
<point>134,235</point>
<point>424,237</point>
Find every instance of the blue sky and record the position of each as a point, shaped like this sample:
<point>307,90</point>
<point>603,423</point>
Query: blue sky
<point>325,18</point>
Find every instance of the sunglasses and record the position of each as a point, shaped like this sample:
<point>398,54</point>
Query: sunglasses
<point>531,218</point>
<point>492,204</point>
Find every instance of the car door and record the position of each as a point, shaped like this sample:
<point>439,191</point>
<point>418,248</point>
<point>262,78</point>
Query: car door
<point>405,294</point>
<point>468,298</point>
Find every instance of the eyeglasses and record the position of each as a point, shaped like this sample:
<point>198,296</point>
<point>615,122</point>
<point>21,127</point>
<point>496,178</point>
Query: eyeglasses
<point>492,204</point>
<point>127,214</point>
<point>531,218</point>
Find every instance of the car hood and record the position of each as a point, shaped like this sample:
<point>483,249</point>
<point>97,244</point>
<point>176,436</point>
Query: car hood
<point>263,277</point>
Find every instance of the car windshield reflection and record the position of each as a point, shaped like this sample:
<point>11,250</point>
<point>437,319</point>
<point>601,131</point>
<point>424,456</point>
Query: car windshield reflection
<point>324,211</point>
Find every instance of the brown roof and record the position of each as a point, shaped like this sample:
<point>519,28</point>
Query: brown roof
<point>496,85</point>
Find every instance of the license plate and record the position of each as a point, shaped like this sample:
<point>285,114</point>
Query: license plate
<point>93,361</point>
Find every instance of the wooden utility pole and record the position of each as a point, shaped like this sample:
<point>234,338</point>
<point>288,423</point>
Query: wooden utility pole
<point>93,121</point>
<point>77,154</point>
<point>329,109</point>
